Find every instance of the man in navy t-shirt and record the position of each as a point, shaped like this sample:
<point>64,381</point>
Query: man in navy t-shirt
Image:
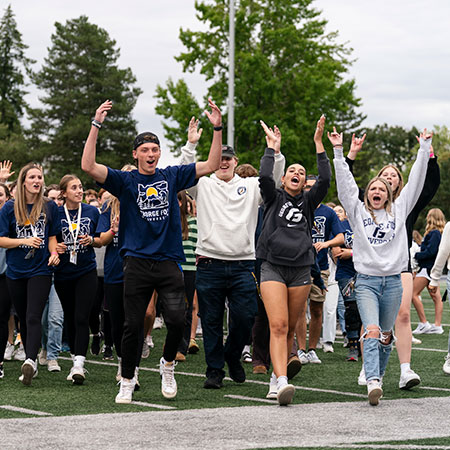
<point>150,240</point>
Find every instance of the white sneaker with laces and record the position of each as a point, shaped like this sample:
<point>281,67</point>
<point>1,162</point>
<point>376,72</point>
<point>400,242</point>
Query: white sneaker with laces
<point>42,357</point>
<point>328,347</point>
<point>374,392</point>
<point>158,324</point>
<point>53,366</point>
<point>168,383</point>
<point>285,394</point>
<point>408,380</point>
<point>434,329</point>
<point>446,366</point>
<point>362,377</point>
<point>78,374</point>
<point>302,357</point>
<point>19,353</point>
<point>416,341</point>
<point>273,391</point>
<point>145,350</point>
<point>313,358</point>
<point>9,351</point>
<point>422,328</point>
<point>29,371</point>
<point>126,390</point>
<point>149,340</point>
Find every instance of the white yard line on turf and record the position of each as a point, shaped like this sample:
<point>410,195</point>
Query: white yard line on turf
<point>25,410</point>
<point>153,405</point>
<point>430,349</point>
<point>395,446</point>
<point>430,388</point>
<point>252,399</point>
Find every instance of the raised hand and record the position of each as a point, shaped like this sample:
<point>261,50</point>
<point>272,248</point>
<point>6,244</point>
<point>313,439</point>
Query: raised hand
<point>194,133</point>
<point>5,170</point>
<point>319,129</point>
<point>102,111</point>
<point>356,144</point>
<point>215,116</point>
<point>277,133</point>
<point>336,138</point>
<point>273,138</point>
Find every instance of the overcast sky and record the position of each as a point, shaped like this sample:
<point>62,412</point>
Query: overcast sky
<point>402,50</point>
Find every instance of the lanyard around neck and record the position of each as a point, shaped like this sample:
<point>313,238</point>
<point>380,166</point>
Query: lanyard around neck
<point>71,230</point>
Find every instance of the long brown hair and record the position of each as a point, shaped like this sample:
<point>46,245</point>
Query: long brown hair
<point>435,221</point>
<point>399,188</point>
<point>387,205</point>
<point>64,183</point>
<point>182,198</point>
<point>20,204</point>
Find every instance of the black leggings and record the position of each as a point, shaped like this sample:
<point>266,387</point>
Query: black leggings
<point>5,311</point>
<point>29,297</point>
<point>189,286</point>
<point>77,297</point>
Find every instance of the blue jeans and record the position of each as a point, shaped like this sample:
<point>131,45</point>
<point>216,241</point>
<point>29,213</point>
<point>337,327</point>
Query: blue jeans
<point>216,281</point>
<point>341,313</point>
<point>52,325</point>
<point>378,301</point>
<point>352,319</point>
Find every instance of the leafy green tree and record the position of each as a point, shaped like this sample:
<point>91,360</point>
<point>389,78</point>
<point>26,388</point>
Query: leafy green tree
<point>15,66</point>
<point>288,72</point>
<point>79,73</point>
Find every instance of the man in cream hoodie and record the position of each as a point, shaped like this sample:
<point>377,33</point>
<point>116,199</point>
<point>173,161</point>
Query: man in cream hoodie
<point>227,214</point>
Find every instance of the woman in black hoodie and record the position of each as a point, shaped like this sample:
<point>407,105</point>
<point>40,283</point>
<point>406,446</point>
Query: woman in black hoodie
<point>285,246</point>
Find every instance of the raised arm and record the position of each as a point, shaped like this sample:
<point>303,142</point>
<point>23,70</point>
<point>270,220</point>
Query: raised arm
<point>355,148</point>
<point>266,180</point>
<point>346,186</point>
<point>5,171</point>
<point>215,152</point>
<point>97,171</point>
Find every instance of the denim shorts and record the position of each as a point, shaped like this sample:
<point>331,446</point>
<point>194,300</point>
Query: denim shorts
<point>290,276</point>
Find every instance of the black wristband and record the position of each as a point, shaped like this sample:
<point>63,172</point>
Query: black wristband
<point>220,128</point>
<point>96,124</point>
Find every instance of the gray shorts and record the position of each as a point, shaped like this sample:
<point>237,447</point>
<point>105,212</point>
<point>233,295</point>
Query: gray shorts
<point>290,276</point>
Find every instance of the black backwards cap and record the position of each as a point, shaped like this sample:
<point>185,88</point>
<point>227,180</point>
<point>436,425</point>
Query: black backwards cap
<point>142,138</point>
<point>228,151</point>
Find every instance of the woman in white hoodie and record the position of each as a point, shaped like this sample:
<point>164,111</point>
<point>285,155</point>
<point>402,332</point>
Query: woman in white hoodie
<point>380,253</point>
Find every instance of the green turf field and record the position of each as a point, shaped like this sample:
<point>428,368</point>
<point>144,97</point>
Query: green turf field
<point>332,381</point>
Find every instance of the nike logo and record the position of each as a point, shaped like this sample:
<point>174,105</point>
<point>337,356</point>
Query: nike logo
<point>291,225</point>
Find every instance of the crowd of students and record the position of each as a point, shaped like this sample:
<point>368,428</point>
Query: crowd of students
<point>264,247</point>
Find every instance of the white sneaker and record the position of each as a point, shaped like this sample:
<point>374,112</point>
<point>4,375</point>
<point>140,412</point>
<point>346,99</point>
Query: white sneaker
<point>149,341</point>
<point>285,394</point>
<point>158,324</point>
<point>145,350</point>
<point>302,357</point>
<point>168,383</point>
<point>416,341</point>
<point>42,357</point>
<point>29,371</point>
<point>422,328</point>
<point>408,380</point>
<point>374,392</point>
<point>53,366</point>
<point>328,347</point>
<point>9,351</point>
<point>78,374</point>
<point>137,385</point>
<point>313,358</point>
<point>19,353</point>
<point>273,391</point>
<point>446,366</point>
<point>362,377</point>
<point>434,329</point>
<point>125,394</point>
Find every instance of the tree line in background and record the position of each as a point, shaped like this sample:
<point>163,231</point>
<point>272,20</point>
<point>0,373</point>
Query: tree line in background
<point>288,71</point>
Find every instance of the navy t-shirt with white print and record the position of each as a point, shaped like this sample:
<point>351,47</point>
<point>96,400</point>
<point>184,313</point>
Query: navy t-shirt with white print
<point>345,268</point>
<point>150,225</point>
<point>85,254</point>
<point>326,226</point>
<point>113,260</point>
<point>47,225</point>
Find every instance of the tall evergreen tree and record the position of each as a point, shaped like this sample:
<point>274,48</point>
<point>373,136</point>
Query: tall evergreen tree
<point>288,71</point>
<point>79,73</point>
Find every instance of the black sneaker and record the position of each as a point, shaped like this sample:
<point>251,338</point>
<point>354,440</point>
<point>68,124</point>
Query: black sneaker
<point>236,371</point>
<point>353,354</point>
<point>214,380</point>
<point>95,346</point>
<point>107,353</point>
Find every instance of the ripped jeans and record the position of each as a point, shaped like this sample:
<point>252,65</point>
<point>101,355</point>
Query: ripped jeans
<point>378,300</point>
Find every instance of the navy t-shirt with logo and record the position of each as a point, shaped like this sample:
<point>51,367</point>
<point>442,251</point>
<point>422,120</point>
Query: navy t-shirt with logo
<point>150,225</point>
<point>85,254</point>
<point>47,225</point>
<point>113,260</point>
<point>326,226</point>
<point>345,268</point>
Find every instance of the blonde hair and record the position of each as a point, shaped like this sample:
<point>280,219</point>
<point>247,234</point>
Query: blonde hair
<point>399,188</point>
<point>387,205</point>
<point>435,221</point>
<point>20,203</point>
